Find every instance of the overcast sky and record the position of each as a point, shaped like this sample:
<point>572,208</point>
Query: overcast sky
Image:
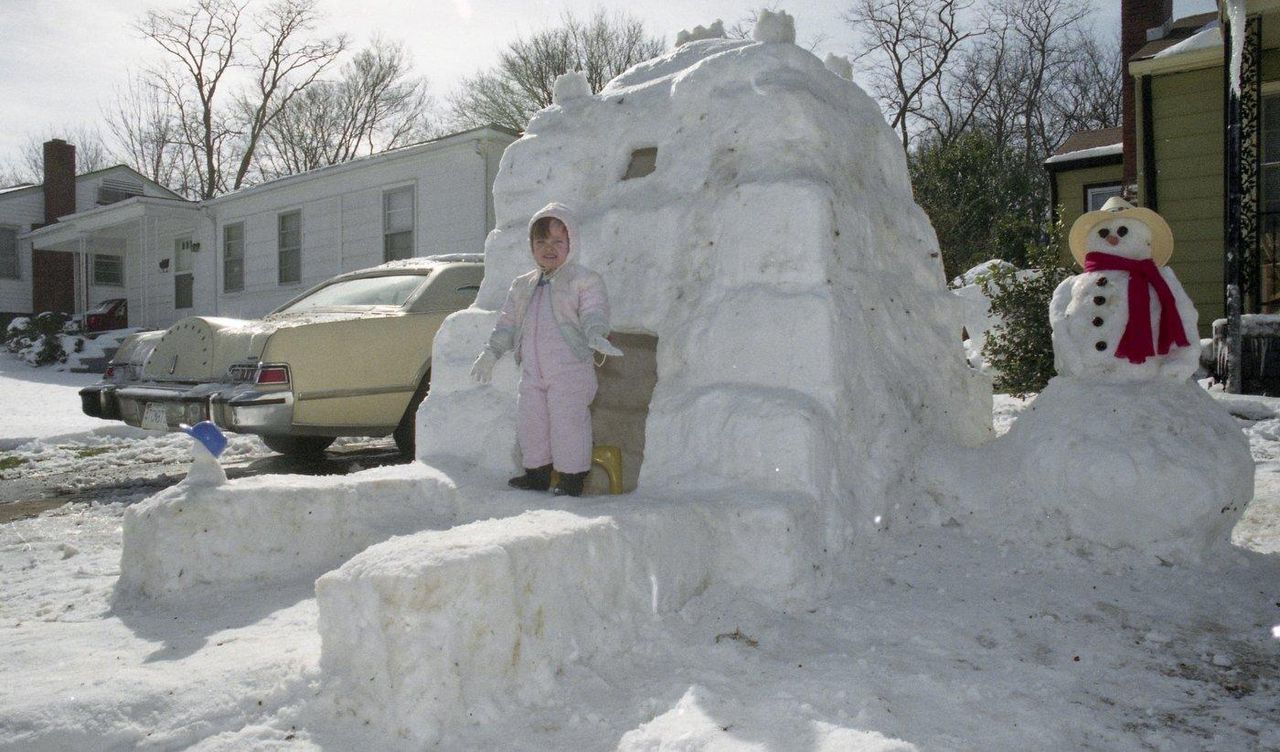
<point>60,60</point>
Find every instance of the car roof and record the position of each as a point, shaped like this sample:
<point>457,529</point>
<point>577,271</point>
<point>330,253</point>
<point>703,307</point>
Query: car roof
<point>416,265</point>
<point>419,265</point>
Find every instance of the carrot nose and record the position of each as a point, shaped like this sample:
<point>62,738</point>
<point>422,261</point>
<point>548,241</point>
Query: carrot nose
<point>1113,239</point>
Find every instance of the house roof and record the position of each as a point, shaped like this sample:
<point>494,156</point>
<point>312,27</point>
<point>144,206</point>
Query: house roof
<point>1180,30</point>
<point>92,173</point>
<point>1088,140</point>
<point>424,146</point>
<point>1086,148</point>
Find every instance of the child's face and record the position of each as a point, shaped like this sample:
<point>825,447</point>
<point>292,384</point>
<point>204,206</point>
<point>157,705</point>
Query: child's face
<point>550,253</point>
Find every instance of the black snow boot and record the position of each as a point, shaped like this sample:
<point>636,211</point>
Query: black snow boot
<point>570,484</point>
<point>534,479</point>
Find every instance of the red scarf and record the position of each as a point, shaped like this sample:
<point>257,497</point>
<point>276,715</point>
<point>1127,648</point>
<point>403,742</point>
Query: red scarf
<point>1135,344</point>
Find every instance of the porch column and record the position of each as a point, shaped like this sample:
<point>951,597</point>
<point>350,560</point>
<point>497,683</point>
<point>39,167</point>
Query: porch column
<point>1242,47</point>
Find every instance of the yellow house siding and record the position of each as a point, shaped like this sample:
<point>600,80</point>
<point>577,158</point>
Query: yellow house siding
<point>1071,191</point>
<point>1187,123</point>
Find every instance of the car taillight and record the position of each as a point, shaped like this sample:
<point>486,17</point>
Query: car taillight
<point>110,373</point>
<point>273,375</point>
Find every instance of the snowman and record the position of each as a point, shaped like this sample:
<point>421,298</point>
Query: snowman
<point>1126,318</point>
<point>209,443</point>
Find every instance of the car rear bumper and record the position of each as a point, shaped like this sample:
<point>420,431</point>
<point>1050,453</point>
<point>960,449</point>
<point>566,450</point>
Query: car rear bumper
<point>99,401</point>
<point>242,408</point>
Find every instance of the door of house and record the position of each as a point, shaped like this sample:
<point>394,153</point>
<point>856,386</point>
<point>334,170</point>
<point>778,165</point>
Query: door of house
<point>53,281</point>
<point>183,283</point>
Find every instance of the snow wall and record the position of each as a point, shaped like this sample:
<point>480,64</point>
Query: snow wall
<point>807,347</point>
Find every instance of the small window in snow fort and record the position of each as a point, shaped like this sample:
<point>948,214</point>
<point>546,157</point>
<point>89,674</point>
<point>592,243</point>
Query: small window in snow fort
<point>643,162</point>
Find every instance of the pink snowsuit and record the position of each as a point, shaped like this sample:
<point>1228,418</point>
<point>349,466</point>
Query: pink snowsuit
<point>556,389</point>
<point>548,319</point>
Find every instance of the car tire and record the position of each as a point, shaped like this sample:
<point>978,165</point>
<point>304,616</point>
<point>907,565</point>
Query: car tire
<point>404,433</point>
<point>302,447</point>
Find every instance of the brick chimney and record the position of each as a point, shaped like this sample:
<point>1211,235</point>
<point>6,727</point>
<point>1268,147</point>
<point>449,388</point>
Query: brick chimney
<point>59,179</point>
<point>1136,18</point>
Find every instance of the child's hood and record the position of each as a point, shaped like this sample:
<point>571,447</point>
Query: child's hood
<point>562,213</point>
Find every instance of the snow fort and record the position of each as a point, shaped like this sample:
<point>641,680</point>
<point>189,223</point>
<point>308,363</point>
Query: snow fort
<point>778,293</point>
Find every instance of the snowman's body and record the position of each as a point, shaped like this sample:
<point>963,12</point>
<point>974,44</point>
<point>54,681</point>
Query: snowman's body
<point>1090,311</point>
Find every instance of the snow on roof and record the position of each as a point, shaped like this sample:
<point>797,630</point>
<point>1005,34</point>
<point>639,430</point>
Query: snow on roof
<point>1209,36</point>
<point>1097,151</point>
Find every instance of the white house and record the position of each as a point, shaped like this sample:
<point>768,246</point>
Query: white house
<point>244,253</point>
<point>37,280</point>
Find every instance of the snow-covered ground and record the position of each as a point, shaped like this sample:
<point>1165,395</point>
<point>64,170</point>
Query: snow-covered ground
<point>936,641</point>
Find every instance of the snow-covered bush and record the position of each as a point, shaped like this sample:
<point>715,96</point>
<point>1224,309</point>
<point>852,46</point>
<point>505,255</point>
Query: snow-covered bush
<point>1019,347</point>
<point>39,340</point>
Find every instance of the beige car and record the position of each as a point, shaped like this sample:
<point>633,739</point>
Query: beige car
<point>350,357</point>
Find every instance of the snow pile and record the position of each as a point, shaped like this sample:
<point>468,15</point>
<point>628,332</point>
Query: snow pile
<point>1155,468</point>
<point>706,722</point>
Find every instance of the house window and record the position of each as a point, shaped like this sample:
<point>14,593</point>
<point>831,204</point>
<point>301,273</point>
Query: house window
<point>289,243</point>
<point>1269,208</point>
<point>397,224</point>
<point>8,253</point>
<point>108,271</point>
<point>233,257</point>
<point>1097,195</point>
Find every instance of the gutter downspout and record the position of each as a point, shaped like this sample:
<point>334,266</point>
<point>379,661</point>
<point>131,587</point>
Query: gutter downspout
<point>207,213</point>
<point>486,188</point>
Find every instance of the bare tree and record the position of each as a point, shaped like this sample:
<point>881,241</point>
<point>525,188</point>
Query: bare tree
<point>522,81</point>
<point>200,42</point>
<point>375,105</point>
<point>285,66</point>
<point>1088,94</point>
<point>148,136</point>
<point>905,49</point>
<point>203,43</point>
<point>91,154</point>
<point>1047,32</point>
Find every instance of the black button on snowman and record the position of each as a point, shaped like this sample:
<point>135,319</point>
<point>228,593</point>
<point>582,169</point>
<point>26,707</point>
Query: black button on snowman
<point>1126,318</point>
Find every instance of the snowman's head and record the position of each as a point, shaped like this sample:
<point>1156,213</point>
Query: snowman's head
<point>1120,236</point>
<point>1122,229</point>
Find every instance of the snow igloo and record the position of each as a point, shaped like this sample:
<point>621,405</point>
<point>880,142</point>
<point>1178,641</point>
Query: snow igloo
<point>777,291</point>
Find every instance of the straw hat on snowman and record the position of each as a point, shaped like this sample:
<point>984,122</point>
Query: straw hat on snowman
<point>1118,208</point>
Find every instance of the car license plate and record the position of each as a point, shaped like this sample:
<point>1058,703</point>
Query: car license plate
<point>155,416</point>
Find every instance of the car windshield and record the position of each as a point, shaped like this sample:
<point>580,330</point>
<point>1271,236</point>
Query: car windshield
<point>391,290</point>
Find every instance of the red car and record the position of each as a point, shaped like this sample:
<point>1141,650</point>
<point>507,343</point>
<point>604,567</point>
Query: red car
<point>112,313</point>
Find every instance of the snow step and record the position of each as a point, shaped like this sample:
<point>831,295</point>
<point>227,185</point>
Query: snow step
<point>442,625</point>
<point>426,629</point>
<point>265,531</point>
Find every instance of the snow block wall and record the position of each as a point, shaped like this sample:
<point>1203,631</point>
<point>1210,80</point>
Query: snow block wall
<point>426,630</point>
<point>263,531</point>
<point>806,344</point>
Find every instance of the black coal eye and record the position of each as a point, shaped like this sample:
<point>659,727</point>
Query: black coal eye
<point>1122,231</point>
<point>1103,232</point>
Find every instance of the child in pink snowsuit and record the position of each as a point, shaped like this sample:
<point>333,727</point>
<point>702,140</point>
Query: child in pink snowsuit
<point>554,317</point>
